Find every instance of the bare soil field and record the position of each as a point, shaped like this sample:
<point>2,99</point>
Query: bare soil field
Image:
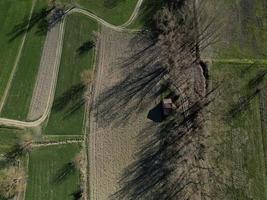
<point>112,147</point>
<point>46,73</point>
<point>134,153</point>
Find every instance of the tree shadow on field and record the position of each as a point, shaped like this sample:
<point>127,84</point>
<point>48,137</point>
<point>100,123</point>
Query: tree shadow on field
<point>64,172</point>
<point>166,166</point>
<point>241,106</point>
<point>254,87</point>
<point>71,100</point>
<point>256,81</point>
<point>136,91</point>
<point>77,195</point>
<point>38,19</point>
<point>16,152</point>
<point>168,161</point>
<point>85,47</point>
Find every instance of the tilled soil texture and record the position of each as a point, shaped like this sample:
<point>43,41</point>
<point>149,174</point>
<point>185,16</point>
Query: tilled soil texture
<point>134,152</point>
<point>113,141</point>
<point>48,66</point>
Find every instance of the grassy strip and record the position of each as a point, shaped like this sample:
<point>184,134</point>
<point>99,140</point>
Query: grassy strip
<point>58,138</point>
<point>9,137</point>
<point>115,12</point>
<point>236,132</point>
<point>50,176</point>
<point>67,113</point>
<point>19,97</point>
<point>11,12</point>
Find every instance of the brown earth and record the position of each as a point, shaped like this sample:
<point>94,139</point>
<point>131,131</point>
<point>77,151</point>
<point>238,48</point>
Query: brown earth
<point>134,153</point>
<point>112,146</point>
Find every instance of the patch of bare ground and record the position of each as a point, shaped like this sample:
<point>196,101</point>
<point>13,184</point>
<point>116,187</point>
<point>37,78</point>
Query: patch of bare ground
<point>112,146</point>
<point>135,152</point>
<point>45,76</point>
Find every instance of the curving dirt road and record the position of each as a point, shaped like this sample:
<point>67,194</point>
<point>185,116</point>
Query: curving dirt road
<point>17,123</point>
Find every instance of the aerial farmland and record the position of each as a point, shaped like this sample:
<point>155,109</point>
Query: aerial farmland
<point>133,100</point>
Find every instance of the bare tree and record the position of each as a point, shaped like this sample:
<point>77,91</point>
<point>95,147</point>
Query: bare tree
<point>12,182</point>
<point>86,77</point>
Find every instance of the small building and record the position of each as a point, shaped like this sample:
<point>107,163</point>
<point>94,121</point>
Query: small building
<point>168,106</point>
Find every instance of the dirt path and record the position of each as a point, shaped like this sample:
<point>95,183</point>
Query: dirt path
<point>122,28</point>
<point>53,79</point>
<point>45,144</point>
<point>14,68</point>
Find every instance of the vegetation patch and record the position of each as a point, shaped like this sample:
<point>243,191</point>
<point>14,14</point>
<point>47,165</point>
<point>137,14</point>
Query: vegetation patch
<point>115,12</point>
<point>238,143</point>
<point>11,12</point>
<point>67,115</point>
<point>9,137</point>
<point>19,96</point>
<point>52,173</point>
<point>147,12</point>
<point>241,26</point>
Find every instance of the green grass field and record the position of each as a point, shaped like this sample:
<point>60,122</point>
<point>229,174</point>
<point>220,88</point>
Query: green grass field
<point>115,12</point>
<point>236,130</point>
<point>19,96</point>
<point>11,12</point>
<point>8,138</point>
<point>46,165</point>
<point>241,26</point>
<point>68,109</point>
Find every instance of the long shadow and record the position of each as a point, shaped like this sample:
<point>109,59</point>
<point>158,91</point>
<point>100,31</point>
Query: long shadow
<point>77,195</point>
<point>257,80</point>
<point>85,47</point>
<point>63,173</point>
<point>71,100</point>
<point>17,151</point>
<point>242,105</point>
<point>38,18</point>
<point>142,75</point>
<point>166,165</point>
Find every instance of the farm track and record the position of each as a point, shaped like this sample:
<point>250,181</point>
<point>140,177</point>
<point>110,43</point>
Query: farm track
<point>45,144</point>
<point>40,79</point>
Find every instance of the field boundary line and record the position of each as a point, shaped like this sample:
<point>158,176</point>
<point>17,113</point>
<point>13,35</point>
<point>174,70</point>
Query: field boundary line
<point>45,144</point>
<point>15,66</point>
<point>88,116</point>
<point>237,60</point>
